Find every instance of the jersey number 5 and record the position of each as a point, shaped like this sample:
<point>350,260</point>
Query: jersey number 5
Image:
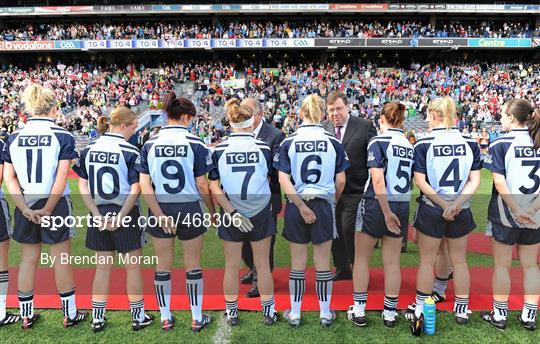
<point>402,173</point>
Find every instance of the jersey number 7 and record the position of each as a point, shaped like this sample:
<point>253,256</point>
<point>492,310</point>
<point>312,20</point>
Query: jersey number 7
<point>249,170</point>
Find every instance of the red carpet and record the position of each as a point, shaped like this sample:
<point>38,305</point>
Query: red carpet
<point>47,297</point>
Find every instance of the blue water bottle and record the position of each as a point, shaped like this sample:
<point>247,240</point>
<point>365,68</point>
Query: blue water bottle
<point>430,313</point>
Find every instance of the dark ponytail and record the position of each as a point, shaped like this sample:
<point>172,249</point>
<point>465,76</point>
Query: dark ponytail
<point>534,128</point>
<point>176,107</point>
<point>524,112</point>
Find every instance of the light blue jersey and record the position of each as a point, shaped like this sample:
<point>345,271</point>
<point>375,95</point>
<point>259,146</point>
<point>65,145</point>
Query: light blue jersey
<point>34,151</point>
<point>446,157</point>
<point>109,166</point>
<point>512,155</point>
<point>312,157</point>
<point>173,159</point>
<point>394,153</point>
<point>242,164</point>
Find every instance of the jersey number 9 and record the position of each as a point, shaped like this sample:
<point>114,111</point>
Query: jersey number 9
<point>178,175</point>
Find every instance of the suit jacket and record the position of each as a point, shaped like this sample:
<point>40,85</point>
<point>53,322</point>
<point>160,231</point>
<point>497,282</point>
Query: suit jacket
<point>273,137</point>
<point>355,141</point>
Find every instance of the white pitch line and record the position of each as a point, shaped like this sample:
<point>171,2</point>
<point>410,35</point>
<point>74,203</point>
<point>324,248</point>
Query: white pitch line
<point>223,333</point>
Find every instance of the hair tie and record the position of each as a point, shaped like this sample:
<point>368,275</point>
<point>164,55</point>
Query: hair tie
<point>242,125</point>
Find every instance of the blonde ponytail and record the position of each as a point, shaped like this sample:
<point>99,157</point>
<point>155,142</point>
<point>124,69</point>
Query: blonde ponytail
<point>312,108</point>
<point>445,108</point>
<point>38,100</point>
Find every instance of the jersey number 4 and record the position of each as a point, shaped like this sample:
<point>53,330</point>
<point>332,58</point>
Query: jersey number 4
<point>452,169</point>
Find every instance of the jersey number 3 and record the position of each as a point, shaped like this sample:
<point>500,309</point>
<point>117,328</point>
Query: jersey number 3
<point>535,178</point>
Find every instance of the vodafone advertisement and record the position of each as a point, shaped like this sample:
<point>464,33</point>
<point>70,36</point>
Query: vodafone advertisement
<point>358,7</point>
<point>27,45</point>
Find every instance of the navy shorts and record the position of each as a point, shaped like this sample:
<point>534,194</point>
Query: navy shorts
<point>323,230</point>
<point>122,240</point>
<point>264,226</point>
<point>370,218</point>
<point>6,230</point>
<point>27,232</point>
<point>429,220</point>
<point>182,213</point>
<point>511,236</point>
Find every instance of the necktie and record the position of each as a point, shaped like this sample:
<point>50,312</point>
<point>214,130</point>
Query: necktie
<point>338,132</point>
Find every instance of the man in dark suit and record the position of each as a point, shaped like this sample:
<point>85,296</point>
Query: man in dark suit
<point>354,133</point>
<point>273,137</point>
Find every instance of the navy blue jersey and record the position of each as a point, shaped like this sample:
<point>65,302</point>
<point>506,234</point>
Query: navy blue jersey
<point>394,153</point>
<point>34,151</point>
<point>242,164</point>
<point>512,156</point>
<point>108,164</point>
<point>446,157</point>
<point>312,157</point>
<point>173,159</point>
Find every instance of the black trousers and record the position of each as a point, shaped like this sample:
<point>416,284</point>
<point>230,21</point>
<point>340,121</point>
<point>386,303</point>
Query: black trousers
<point>247,251</point>
<point>343,247</point>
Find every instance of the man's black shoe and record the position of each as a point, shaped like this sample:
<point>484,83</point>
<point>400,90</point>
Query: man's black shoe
<point>247,278</point>
<point>342,275</point>
<point>253,292</point>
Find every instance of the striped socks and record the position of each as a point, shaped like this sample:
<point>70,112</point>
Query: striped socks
<point>231,308</point>
<point>390,307</point>
<point>137,310</point>
<point>297,287</point>
<point>26,303</point>
<point>500,310</point>
<point>68,304</point>
<point>98,311</point>
<point>440,285</point>
<point>461,305</point>
<point>4,283</point>
<point>420,298</point>
<point>162,285</point>
<point>268,307</point>
<point>529,311</point>
<point>194,287</point>
<point>323,286</point>
<point>360,300</point>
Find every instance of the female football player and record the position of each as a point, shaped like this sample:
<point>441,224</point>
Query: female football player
<point>6,318</point>
<point>513,215</point>
<point>447,171</point>
<point>109,186</point>
<point>242,165</point>
<point>173,167</point>
<point>311,165</point>
<point>37,160</point>
<point>383,213</point>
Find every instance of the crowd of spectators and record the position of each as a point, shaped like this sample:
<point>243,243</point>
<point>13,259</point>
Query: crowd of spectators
<point>266,29</point>
<point>86,92</point>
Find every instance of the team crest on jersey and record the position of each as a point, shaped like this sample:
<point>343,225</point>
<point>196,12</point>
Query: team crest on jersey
<point>209,158</point>
<point>371,156</point>
<point>487,158</point>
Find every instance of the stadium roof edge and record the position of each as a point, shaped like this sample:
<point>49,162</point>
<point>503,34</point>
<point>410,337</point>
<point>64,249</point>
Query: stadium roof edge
<point>313,8</point>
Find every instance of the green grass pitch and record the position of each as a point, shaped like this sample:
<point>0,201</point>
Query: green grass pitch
<point>251,329</point>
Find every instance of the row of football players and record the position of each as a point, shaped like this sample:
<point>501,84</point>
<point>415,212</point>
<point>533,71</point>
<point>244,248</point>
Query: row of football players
<point>311,163</point>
